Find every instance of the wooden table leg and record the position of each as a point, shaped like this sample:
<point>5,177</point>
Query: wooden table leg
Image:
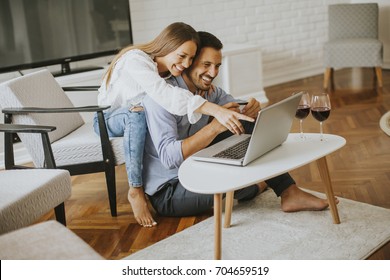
<point>324,172</point>
<point>327,76</point>
<point>218,226</point>
<point>228,209</point>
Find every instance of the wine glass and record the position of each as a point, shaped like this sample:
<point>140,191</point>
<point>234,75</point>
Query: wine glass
<point>320,109</point>
<point>303,111</point>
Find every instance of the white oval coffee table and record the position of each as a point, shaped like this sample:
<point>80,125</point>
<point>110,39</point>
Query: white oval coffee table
<point>217,179</point>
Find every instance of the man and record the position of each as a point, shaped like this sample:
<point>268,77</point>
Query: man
<point>171,139</point>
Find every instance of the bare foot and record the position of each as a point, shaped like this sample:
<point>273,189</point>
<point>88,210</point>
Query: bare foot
<point>262,187</point>
<point>137,199</point>
<point>294,199</point>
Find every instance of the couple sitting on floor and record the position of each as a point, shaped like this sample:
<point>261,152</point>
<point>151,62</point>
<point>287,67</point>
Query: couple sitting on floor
<point>176,99</point>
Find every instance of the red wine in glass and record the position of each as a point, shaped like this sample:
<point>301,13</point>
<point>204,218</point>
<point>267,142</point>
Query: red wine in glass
<point>303,111</point>
<point>320,109</point>
<point>320,113</point>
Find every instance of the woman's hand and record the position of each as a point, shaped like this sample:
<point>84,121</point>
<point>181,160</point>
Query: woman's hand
<point>228,118</point>
<point>217,126</point>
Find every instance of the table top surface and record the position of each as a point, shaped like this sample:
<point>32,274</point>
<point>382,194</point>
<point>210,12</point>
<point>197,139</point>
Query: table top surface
<point>211,178</point>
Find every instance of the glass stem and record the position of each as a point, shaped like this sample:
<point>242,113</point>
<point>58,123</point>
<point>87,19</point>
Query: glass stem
<point>321,135</point>
<point>301,127</point>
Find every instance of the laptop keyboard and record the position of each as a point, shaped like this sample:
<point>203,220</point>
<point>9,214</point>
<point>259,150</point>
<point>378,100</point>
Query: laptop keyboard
<point>236,151</point>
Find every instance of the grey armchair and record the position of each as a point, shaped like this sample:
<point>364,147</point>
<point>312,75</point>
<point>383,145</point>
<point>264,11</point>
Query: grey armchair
<point>37,99</point>
<point>353,40</point>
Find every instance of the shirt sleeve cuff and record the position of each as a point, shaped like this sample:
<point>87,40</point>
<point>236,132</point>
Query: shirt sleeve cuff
<point>194,103</point>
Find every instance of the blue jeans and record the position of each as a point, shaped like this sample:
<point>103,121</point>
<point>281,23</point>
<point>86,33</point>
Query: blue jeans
<point>132,127</point>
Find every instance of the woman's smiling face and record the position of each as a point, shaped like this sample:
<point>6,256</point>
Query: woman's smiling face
<point>178,60</point>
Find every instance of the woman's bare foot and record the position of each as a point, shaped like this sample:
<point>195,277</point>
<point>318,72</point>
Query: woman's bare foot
<point>137,199</point>
<point>294,199</point>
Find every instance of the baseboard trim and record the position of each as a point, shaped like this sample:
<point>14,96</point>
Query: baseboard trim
<point>273,78</point>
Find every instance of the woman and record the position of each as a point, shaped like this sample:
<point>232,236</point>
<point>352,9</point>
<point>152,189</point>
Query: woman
<point>140,70</point>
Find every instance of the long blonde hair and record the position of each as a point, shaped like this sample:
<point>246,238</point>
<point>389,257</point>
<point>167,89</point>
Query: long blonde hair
<point>172,37</point>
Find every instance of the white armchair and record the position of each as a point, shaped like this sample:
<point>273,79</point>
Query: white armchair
<point>25,195</point>
<point>37,99</point>
<point>45,241</point>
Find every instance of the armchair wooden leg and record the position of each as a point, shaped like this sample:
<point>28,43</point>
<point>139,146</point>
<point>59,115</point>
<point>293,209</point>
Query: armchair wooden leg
<point>111,189</point>
<point>324,172</point>
<point>60,213</point>
<point>228,208</point>
<point>378,72</point>
<point>327,75</point>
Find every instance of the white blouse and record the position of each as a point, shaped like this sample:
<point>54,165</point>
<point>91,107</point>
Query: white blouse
<point>134,75</point>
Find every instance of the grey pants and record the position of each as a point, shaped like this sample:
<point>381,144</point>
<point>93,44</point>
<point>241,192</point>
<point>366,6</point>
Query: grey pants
<point>175,201</point>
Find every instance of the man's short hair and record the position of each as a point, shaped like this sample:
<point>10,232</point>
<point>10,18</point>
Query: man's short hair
<point>209,40</point>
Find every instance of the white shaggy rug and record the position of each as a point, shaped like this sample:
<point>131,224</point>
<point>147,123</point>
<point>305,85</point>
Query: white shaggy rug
<point>260,230</point>
<point>384,123</point>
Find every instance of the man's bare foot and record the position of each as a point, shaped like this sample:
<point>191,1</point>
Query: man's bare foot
<point>262,187</point>
<point>294,199</point>
<point>137,199</point>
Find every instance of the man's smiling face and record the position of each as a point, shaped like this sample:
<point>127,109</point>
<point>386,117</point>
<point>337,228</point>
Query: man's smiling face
<point>205,68</point>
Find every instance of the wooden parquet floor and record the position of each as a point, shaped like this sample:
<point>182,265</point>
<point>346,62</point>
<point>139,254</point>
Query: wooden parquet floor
<point>359,171</point>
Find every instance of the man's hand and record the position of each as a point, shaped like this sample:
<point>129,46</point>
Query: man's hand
<point>252,108</point>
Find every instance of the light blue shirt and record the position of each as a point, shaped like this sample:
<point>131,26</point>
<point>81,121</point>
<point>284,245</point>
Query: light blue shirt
<point>163,154</point>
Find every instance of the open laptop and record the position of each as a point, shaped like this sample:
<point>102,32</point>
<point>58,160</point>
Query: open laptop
<point>271,129</point>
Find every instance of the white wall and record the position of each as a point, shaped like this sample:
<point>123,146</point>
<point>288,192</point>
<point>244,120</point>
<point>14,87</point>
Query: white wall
<point>290,33</point>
